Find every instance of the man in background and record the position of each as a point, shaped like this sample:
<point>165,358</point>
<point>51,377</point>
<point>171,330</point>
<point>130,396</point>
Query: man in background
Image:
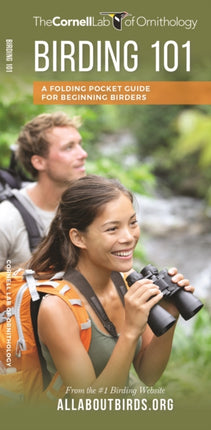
<point>50,148</point>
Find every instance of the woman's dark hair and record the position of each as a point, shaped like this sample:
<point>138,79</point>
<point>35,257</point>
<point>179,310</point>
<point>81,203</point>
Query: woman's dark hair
<point>79,206</point>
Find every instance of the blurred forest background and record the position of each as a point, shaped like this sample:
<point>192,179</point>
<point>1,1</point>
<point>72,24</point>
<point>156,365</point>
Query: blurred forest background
<point>163,154</point>
<point>172,143</point>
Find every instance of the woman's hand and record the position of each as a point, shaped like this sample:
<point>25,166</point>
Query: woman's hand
<point>177,278</point>
<point>139,300</point>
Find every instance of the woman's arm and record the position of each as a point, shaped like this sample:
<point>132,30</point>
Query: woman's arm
<point>153,357</point>
<point>59,331</point>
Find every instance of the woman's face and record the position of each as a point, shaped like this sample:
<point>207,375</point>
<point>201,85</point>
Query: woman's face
<point>110,240</point>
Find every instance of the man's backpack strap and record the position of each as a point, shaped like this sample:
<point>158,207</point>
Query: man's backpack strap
<point>9,179</point>
<point>29,221</point>
<point>12,178</point>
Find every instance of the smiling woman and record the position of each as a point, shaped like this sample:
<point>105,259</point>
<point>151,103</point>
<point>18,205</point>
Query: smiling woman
<point>93,209</point>
<point>110,240</point>
<point>94,235</point>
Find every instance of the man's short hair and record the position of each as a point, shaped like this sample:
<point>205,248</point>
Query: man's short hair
<point>32,139</point>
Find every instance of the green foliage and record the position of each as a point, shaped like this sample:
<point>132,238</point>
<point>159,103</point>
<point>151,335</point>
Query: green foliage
<point>136,178</point>
<point>176,141</point>
<point>152,126</point>
<point>193,147</point>
<point>189,369</point>
<point>195,136</point>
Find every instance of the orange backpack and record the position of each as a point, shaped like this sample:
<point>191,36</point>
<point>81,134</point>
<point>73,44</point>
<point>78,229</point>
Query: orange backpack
<point>21,375</point>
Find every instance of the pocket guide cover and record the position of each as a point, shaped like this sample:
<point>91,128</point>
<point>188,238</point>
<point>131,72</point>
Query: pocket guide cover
<point>114,59</point>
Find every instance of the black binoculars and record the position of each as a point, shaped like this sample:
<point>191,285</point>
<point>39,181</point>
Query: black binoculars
<point>159,319</point>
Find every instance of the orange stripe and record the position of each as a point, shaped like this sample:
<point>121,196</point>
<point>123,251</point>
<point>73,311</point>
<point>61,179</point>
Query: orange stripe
<point>122,92</point>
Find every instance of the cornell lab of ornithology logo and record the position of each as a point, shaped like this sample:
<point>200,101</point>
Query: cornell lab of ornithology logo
<point>118,20</point>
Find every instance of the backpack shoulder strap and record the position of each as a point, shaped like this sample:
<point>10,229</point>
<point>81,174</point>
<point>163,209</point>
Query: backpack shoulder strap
<point>66,292</point>
<point>9,179</point>
<point>29,221</point>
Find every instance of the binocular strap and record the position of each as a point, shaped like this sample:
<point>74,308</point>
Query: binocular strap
<point>85,288</point>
